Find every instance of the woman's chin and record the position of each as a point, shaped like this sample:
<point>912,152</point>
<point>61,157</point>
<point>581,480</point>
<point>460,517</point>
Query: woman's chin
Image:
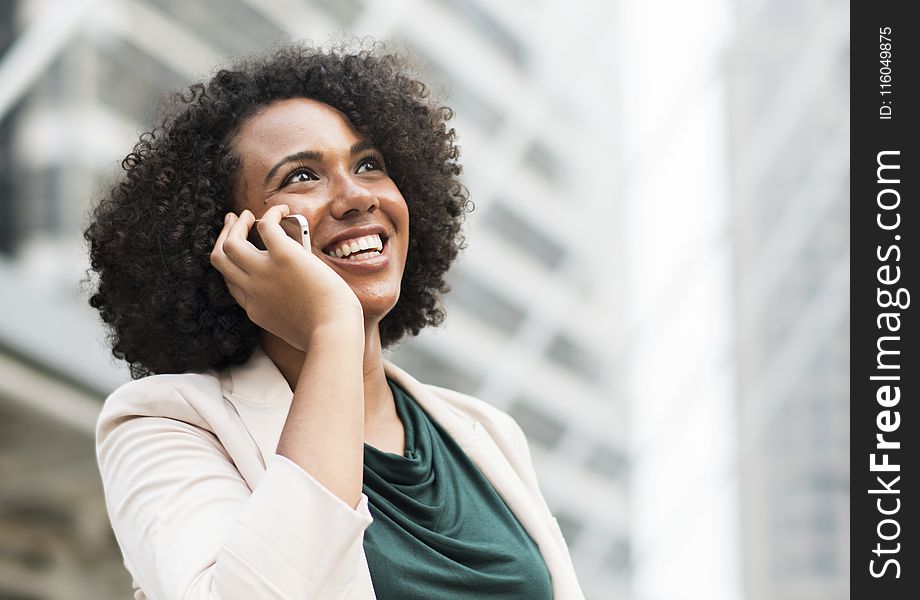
<point>376,306</point>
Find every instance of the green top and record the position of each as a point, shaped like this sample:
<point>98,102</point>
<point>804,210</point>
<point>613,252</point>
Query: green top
<point>440,529</point>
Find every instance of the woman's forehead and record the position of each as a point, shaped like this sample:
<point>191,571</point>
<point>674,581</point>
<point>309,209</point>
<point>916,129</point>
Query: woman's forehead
<point>294,125</point>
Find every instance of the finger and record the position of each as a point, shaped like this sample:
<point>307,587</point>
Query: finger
<point>270,228</point>
<point>219,259</point>
<point>232,274</point>
<point>277,212</point>
<point>240,226</point>
<point>228,221</point>
<point>237,248</point>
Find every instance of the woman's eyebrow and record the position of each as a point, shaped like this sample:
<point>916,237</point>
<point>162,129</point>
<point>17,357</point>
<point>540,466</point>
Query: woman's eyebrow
<point>297,156</point>
<point>316,156</point>
<point>362,146</point>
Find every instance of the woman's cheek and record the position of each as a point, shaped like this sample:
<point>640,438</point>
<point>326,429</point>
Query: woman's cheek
<point>299,204</point>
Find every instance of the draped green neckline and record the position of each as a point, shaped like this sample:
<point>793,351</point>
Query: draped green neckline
<point>440,529</point>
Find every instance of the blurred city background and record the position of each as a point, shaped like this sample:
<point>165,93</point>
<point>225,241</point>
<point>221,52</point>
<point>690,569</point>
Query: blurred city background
<point>656,285</point>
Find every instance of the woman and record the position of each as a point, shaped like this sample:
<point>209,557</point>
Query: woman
<point>266,449</point>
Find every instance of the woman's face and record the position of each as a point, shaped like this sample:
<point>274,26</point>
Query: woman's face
<point>307,155</point>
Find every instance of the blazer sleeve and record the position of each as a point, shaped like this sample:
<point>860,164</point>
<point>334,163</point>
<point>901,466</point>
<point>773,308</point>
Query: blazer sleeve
<point>189,526</point>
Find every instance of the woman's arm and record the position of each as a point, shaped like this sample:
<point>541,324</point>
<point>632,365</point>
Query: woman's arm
<point>188,524</point>
<point>324,430</point>
<point>297,297</point>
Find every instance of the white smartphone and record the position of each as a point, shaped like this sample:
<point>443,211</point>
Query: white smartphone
<point>295,226</point>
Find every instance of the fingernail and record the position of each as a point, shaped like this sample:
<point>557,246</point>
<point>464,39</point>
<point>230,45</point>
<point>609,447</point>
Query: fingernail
<point>226,218</point>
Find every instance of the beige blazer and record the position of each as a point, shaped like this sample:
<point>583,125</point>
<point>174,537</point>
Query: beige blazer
<point>203,507</point>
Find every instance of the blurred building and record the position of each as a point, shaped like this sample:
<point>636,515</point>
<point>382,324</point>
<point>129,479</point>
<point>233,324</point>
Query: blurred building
<point>789,106</point>
<point>677,356</point>
<point>527,330</point>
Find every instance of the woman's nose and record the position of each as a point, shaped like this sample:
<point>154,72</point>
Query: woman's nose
<point>350,196</point>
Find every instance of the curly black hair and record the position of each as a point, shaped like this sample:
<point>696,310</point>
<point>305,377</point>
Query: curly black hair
<point>166,308</point>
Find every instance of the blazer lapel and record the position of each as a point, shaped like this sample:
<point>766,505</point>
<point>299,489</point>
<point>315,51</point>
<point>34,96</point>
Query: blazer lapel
<point>262,398</point>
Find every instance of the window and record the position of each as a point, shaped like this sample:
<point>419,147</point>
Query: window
<point>570,355</point>
<point>468,104</point>
<point>130,80</point>
<point>9,233</point>
<point>532,242</point>
<point>485,303</point>
<point>492,30</point>
<point>618,555</point>
<point>344,11</point>
<point>540,159</point>
<point>463,100</point>
<point>42,208</point>
<point>231,26</point>
<point>540,426</point>
<point>607,462</point>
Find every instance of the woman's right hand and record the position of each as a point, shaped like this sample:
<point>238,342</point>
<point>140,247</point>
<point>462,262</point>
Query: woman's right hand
<point>286,291</point>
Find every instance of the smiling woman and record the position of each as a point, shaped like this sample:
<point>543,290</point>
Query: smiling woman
<point>266,448</point>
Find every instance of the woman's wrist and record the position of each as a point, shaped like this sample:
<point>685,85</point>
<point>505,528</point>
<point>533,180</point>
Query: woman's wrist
<point>344,333</point>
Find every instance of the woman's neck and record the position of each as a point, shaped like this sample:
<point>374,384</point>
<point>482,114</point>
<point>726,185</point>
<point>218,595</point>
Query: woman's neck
<point>378,398</point>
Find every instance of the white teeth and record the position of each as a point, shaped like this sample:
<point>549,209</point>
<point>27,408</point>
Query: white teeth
<point>370,254</point>
<point>349,247</point>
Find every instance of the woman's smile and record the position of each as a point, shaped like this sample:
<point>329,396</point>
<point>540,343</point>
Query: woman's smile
<point>366,254</point>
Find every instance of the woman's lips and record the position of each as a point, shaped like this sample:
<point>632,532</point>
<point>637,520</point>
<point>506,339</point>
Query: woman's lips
<point>362,263</point>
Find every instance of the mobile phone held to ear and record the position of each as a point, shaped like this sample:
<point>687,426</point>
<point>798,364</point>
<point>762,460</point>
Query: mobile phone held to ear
<point>295,226</point>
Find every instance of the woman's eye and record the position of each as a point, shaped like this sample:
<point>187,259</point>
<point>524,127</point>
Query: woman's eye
<point>368,164</point>
<point>299,176</point>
